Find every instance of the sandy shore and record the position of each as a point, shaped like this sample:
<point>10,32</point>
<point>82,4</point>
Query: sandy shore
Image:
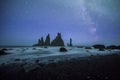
<point>104,67</point>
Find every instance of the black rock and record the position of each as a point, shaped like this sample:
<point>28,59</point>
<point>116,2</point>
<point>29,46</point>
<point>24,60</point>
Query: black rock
<point>101,49</point>
<point>2,52</point>
<point>41,42</point>
<point>62,49</point>
<point>99,46</point>
<point>4,49</point>
<point>45,47</point>
<point>17,60</point>
<point>88,48</point>
<point>34,48</point>
<point>37,61</point>
<point>57,41</point>
<point>47,41</point>
<point>71,42</point>
<point>80,46</point>
<point>118,47</point>
<point>113,47</point>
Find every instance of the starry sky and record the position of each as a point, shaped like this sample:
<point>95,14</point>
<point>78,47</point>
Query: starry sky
<point>23,22</point>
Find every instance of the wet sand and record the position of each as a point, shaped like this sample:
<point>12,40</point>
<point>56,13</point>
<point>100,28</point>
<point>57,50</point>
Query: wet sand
<point>99,67</point>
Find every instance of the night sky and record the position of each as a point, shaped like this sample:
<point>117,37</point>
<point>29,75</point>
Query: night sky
<point>23,22</point>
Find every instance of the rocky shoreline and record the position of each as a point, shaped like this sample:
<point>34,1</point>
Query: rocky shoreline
<point>99,67</point>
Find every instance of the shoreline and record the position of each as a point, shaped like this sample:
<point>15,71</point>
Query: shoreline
<point>99,67</point>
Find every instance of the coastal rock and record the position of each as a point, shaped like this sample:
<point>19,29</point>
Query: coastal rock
<point>2,52</point>
<point>99,46</point>
<point>62,49</point>
<point>58,41</point>
<point>47,41</point>
<point>113,47</point>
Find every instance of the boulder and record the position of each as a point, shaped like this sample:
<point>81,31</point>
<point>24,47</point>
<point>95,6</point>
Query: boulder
<point>113,47</point>
<point>45,47</point>
<point>118,47</point>
<point>88,48</point>
<point>2,52</point>
<point>62,49</point>
<point>4,49</point>
<point>80,46</point>
<point>101,49</point>
<point>99,46</point>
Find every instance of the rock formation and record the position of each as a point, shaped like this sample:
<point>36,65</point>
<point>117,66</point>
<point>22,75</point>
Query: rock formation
<point>2,52</point>
<point>113,47</point>
<point>47,41</point>
<point>57,41</point>
<point>99,46</point>
<point>41,42</point>
<point>70,41</point>
<point>62,49</point>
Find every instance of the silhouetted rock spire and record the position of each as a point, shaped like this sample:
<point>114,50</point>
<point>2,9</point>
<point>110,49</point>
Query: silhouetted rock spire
<point>47,41</point>
<point>41,42</point>
<point>70,41</point>
<point>57,41</point>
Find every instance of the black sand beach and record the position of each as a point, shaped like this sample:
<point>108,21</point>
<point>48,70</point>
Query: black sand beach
<point>99,67</point>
